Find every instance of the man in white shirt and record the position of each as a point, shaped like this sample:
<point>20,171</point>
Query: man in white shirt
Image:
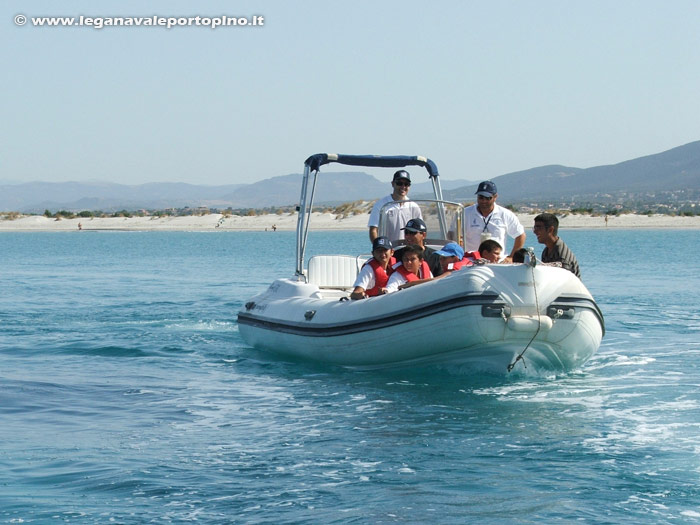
<point>398,213</point>
<point>487,220</point>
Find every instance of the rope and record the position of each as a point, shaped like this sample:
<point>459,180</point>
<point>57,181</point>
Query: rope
<point>539,325</point>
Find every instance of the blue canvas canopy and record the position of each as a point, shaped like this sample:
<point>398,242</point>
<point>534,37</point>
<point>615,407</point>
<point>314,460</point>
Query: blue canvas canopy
<point>308,187</point>
<point>314,162</point>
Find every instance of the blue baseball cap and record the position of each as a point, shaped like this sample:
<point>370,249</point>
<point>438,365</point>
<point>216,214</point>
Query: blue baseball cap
<point>382,242</point>
<point>486,189</point>
<point>451,249</point>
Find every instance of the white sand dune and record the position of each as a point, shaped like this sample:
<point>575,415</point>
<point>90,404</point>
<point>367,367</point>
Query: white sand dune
<point>319,221</point>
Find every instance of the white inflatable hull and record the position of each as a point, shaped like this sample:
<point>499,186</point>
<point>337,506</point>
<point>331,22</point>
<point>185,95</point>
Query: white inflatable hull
<point>482,316</point>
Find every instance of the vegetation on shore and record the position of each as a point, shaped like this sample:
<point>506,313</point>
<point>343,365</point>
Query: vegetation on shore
<point>349,209</point>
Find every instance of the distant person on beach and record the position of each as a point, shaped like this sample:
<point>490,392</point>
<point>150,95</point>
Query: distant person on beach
<point>397,214</point>
<point>490,250</point>
<point>274,227</point>
<point>487,220</point>
<point>415,232</point>
<point>546,229</point>
<point>80,225</point>
<point>412,270</point>
<point>375,273</point>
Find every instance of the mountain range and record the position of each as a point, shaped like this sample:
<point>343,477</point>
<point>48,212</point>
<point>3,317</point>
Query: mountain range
<point>662,177</point>
<point>667,176</point>
<point>334,188</point>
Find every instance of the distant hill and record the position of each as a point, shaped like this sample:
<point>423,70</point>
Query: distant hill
<point>75,196</point>
<point>333,188</point>
<point>654,177</point>
<point>672,175</point>
<point>284,190</point>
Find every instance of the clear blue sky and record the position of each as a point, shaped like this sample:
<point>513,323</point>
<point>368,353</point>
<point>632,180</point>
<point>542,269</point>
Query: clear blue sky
<point>482,87</point>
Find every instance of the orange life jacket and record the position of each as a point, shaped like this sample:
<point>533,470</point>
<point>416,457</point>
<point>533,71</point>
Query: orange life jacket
<point>461,264</point>
<point>381,276</point>
<point>423,272</point>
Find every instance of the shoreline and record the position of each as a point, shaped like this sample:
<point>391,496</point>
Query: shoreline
<point>319,221</point>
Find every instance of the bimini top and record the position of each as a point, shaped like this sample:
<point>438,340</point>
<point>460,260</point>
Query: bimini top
<point>314,162</point>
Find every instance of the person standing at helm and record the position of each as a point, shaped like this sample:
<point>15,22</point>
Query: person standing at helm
<point>487,220</point>
<point>399,212</point>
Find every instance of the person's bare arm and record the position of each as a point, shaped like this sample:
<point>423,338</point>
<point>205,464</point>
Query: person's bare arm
<point>373,233</point>
<point>518,243</point>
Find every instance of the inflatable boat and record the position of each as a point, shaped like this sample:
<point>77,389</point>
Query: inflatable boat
<point>489,317</point>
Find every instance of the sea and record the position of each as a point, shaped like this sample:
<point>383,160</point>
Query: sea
<point>128,396</point>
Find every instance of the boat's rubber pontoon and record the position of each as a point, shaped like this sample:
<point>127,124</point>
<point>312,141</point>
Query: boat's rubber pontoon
<point>490,317</point>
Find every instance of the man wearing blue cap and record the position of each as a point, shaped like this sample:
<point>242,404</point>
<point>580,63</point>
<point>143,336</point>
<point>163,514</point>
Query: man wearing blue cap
<point>399,212</point>
<point>487,220</point>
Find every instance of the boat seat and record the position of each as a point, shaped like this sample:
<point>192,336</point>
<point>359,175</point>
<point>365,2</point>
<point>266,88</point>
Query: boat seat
<point>334,271</point>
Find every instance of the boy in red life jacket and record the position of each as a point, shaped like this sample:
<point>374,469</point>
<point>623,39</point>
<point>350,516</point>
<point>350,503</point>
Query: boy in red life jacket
<point>490,250</point>
<point>411,271</point>
<point>375,273</point>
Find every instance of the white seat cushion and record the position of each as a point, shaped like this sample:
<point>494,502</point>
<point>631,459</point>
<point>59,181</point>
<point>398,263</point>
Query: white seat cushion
<point>334,271</point>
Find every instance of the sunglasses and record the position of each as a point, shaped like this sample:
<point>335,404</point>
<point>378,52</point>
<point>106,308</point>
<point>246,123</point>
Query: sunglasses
<point>403,184</point>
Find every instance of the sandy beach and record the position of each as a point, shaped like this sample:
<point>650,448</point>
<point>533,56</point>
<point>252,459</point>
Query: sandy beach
<point>320,221</point>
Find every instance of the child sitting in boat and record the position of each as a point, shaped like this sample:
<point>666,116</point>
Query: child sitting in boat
<point>452,258</point>
<point>490,250</point>
<point>411,271</point>
<point>375,273</point>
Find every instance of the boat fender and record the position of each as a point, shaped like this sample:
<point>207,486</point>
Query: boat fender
<point>529,323</point>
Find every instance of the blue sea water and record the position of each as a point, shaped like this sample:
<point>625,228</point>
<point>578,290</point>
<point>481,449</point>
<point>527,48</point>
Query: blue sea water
<point>128,396</point>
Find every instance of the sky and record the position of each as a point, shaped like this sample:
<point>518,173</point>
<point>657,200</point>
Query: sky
<point>483,88</point>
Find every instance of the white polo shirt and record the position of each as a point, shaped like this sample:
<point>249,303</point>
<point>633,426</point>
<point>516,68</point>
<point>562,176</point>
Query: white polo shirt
<point>500,222</point>
<point>365,279</point>
<point>397,214</point>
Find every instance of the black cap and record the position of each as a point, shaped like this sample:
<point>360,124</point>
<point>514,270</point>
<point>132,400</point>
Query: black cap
<point>416,225</point>
<point>382,242</point>
<point>486,189</point>
<point>401,174</point>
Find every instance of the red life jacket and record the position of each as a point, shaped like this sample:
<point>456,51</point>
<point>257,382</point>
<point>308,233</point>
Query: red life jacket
<point>461,264</point>
<point>472,256</point>
<point>424,272</point>
<point>381,276</point>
